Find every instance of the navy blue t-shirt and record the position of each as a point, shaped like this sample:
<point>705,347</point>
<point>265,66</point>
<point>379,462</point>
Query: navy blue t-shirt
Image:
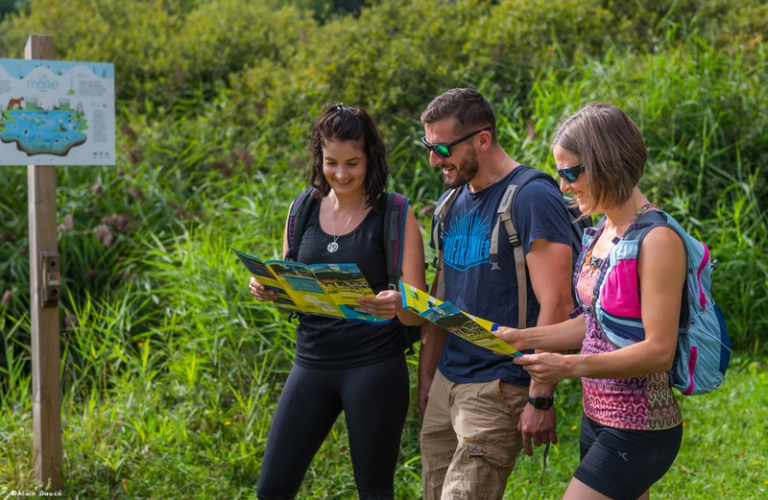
<point>539,212</point>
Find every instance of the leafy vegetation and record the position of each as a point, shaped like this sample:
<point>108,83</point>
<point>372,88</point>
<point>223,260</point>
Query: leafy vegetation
<point>11,6</point>
<point>170,371</point>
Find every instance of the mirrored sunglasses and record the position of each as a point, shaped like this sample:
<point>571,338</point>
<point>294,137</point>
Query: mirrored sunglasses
<point>444,150</point>
<point>570,174</point>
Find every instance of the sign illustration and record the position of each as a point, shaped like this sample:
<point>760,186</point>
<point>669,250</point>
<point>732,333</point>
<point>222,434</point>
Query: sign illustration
<point>57,112</point>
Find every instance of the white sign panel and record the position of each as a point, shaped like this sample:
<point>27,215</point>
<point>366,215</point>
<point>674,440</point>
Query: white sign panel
<point>56,112</point>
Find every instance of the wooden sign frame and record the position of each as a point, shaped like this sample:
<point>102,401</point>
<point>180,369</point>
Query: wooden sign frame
<point>44,279</point>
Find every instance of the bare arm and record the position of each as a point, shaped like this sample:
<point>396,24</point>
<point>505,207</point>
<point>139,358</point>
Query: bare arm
<point>549,266</point>
<point>388,303</point>
<point>413,265</point>
<point>562,336</point>
<point>285,237</point>
<point>432,340</point>
<point>661,271</point>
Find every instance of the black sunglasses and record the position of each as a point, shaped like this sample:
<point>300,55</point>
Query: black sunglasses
<point>444,150</point>
<point>570,174</point>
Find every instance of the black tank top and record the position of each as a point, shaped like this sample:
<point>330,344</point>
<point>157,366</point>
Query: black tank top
<point>323,342</point>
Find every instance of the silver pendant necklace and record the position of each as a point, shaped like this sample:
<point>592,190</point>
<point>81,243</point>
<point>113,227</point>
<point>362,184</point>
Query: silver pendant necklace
<point>333,246</point>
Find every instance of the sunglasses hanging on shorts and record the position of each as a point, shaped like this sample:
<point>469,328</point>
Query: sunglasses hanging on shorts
<point>444,150</point>
<point>570,174</point>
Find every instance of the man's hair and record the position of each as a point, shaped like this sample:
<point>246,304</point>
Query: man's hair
<point>342,123</point>
<point>611,148</point>
<point>470,109</point>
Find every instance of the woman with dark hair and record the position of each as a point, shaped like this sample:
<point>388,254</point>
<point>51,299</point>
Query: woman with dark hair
<point>631,426</point>
<point>346,366</point>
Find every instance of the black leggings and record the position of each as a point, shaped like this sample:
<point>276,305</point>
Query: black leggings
<point>374,399</point>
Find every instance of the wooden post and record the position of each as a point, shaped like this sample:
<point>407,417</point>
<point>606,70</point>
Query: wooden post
<point>44,310</point>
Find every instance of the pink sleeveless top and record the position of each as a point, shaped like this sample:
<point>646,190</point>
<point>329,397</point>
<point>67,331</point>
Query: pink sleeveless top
<point>638,403</point>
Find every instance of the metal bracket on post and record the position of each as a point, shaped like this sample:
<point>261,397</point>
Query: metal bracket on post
<point>51,276</point>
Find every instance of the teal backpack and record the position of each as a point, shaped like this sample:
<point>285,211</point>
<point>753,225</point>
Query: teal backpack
<point>703,347</point>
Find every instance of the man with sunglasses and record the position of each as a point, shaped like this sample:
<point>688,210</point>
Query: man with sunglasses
<point>480,409</point>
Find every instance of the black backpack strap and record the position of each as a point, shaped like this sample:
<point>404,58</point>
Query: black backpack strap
<point>394,235</point>
<point>297,221</point>
<point>395,213</point>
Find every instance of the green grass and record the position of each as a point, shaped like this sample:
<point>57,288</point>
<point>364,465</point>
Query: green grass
<point>723,454</point>
<point>186,428</point>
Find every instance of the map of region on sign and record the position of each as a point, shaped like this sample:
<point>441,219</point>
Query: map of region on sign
<point>57,112</point>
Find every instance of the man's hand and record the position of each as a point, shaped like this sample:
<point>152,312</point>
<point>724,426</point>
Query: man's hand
<point>537,426</point>
<point>432,340</point>
<point>425,383</point>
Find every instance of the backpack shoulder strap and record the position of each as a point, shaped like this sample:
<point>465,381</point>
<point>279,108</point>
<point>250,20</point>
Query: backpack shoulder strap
<point>505,218</point>
<point>297,220</point>
<point>507,203</point>
<point>395,212</point>
<point>640,229</point>
<point>588,239</point>
<point>645,223</point>
<point>437,230</point>
<point>440,213</point>
<point>394,235</point>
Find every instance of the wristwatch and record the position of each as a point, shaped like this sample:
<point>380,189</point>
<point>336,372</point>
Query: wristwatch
<point>541,403</point>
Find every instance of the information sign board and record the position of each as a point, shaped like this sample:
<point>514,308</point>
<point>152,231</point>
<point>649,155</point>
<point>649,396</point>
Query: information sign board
<point>57,112</point>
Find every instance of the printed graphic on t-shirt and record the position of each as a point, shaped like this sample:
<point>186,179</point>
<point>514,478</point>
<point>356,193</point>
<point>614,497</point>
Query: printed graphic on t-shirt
<point>467,242</point>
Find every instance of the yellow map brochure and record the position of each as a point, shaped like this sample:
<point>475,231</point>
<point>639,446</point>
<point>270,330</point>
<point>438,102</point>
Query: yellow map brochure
<point>443,313</point>
<point>324,289</point>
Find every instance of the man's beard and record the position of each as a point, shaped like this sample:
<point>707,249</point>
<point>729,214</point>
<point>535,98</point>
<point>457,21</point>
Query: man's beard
<point>466,170</point>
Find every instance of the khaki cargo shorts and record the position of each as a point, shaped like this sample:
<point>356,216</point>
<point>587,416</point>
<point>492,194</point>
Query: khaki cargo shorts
<point>469,438</point>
